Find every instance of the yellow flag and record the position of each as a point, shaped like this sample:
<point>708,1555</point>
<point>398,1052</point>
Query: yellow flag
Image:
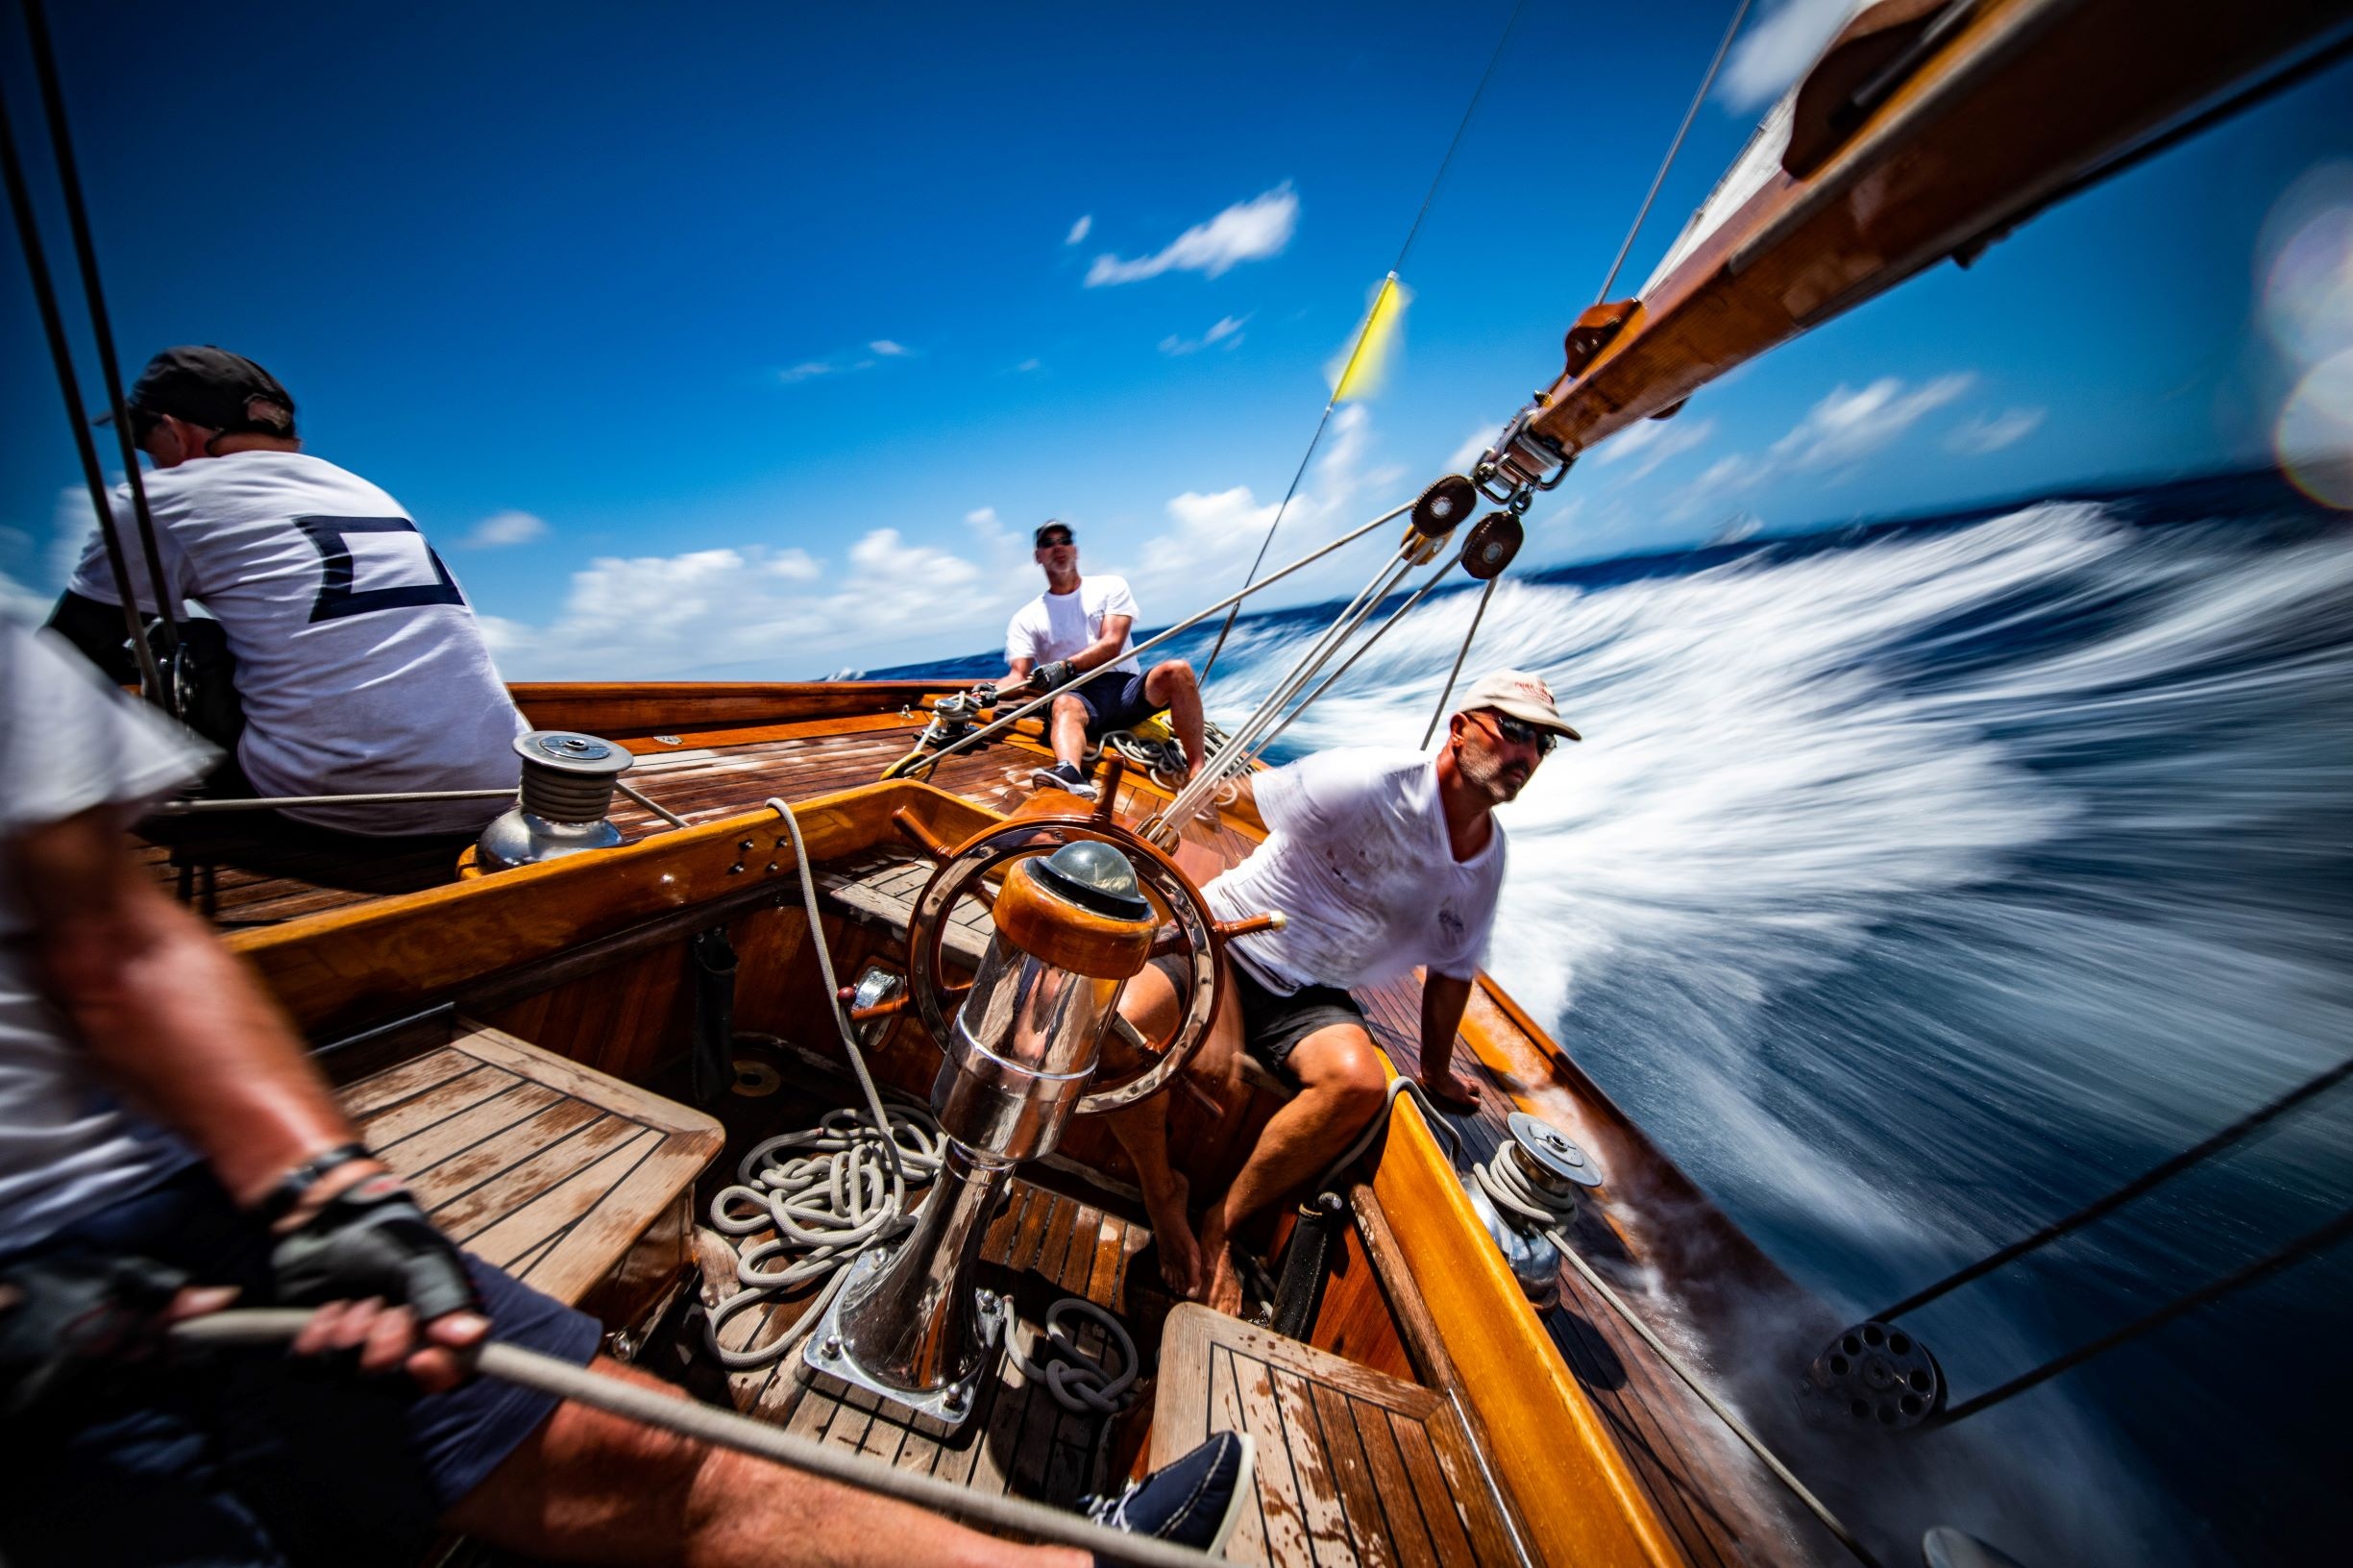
<point>1360,374</point>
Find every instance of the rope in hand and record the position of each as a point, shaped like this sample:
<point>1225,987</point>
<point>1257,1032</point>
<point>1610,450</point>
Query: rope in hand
<point>684,1417</point>
<point>828,1194</point>
<point>1077,1381</point>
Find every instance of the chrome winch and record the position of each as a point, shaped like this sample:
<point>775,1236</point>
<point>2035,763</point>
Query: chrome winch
<point>1532,1187</point>
<point>563,803</point>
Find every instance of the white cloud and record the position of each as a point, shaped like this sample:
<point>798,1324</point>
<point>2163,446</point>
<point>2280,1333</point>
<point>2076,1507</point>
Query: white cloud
<point>1226,330</point>
<point>1028,365</point>
<point>1991,432</point>
<point>847,362</point>
<point>758,606</point>
<point>982,517</point>
<point>1847,427</point>
<point>1777,49</point>
<point>1078,230</point>
<point>1474,447</point>
<point>1250,231</point>
<point>20,603</point>
<point>1655,442</point>
<point>506,528</point>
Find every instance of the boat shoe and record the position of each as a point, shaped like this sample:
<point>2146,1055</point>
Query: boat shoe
<point>1192,1501</point>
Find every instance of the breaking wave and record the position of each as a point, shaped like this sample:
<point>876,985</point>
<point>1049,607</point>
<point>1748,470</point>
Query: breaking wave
<point>1917,884</point>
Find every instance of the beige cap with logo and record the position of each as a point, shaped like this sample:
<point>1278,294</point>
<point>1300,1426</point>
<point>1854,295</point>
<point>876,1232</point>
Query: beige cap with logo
<point>1521,696</point>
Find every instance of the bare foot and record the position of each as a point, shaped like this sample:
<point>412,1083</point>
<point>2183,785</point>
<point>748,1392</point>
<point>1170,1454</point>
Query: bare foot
<point>1452,1090</point>
<point>1222,1289</point>
<point>1180,1255</point>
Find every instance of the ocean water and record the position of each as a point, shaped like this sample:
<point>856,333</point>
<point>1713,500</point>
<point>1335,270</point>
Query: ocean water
<point>1917,883</point>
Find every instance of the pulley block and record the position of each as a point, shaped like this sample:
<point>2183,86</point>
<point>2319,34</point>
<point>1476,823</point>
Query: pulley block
<point>1493,541</point>
<point>1442,506</point>
<point>1875,1374</point>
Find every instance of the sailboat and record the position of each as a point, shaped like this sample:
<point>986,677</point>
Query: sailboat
<point>1517,1336</point>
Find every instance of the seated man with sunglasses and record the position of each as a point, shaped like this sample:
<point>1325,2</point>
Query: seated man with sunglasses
<point>359,663</point>
<point>1380,861</point>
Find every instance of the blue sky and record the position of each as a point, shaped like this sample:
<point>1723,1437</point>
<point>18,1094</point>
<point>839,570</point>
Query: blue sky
<point>753,344</point>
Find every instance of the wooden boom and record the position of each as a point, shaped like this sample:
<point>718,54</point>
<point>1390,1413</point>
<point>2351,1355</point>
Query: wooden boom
<point>1927,129</point>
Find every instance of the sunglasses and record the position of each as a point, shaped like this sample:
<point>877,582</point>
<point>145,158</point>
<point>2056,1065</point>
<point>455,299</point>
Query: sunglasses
<point>142,424</point>
<point>1053,541</point>
<point>1520,732</point>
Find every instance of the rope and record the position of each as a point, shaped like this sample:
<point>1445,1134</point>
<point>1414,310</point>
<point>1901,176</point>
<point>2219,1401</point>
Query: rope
<point>725,1428</point>
<point>1189,801</point>
<point>847,1193</point>
<point>1077,1381</point>
<point>1461,653</point>
<point>1259,748</point>
<point>995,725</point>
<point>2153,1177</point>
<point>2309,1244</point>
<point>828,1194</point>
<point>1676,146</point>
<point>1324,419</point>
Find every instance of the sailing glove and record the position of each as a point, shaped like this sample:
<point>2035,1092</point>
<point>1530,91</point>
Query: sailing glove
<point>72,1324</point>
<point>1057,674</point>
<point>372,1241</point>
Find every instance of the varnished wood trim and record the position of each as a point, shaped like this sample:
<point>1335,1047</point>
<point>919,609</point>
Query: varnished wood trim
<point>1573,1491</point>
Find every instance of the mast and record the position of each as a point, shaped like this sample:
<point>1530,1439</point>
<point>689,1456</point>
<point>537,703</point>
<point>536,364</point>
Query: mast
<point>1928,128</point>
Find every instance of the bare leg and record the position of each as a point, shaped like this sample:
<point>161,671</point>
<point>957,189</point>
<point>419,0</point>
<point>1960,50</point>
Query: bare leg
<point>1069,730</point>
<point>1150,1003</point>
<point>592,1487</point>
<point>1344,1088</point>
<point>1172,686</point>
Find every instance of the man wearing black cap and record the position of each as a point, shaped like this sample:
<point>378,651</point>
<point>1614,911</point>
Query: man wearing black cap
<point>1079,624</point>
<point>360,664</point>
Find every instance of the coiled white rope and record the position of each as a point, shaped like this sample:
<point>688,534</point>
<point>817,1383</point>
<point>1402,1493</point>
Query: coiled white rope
<point>832,1203</point>
<point>1079,1383</point>
<point>828,1192</point>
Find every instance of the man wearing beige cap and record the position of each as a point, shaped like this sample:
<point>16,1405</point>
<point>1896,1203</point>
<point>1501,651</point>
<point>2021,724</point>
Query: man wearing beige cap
<point>1380,861</point>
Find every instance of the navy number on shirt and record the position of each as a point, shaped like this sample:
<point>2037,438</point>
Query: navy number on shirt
<point>340,592</point>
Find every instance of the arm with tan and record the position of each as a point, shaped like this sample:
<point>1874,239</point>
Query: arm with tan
<point>185,1033</point>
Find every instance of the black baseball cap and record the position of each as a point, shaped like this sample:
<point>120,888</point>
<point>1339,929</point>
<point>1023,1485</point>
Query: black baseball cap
<point>211,387</point>
<point>1052,525</point>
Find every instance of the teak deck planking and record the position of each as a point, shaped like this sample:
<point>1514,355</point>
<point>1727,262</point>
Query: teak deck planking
<point>1669,1443</point>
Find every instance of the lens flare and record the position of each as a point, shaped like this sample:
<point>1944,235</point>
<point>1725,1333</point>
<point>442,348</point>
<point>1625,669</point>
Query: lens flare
<point>2313,439</point>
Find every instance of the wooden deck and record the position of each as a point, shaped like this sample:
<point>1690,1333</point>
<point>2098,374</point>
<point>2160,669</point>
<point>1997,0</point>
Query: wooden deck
<point>1354,1466</point>
<point>547,1169</point>
<point>1706,1495</point>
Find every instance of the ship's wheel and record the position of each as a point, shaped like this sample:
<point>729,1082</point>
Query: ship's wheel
<point>1186,930</point>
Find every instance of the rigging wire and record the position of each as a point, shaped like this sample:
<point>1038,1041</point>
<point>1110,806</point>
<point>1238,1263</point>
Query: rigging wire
<point>1674,147</point>
<point>1461,653</point>
<point>86,257</point>
<point>60,351</point>
<point>2310,1244</point>
<point>2153,1177</point>
<point>1323,420</point>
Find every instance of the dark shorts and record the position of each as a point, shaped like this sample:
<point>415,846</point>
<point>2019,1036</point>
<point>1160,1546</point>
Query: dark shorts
<point>250,1458</point>
<point>1274,1024</point>
<point>1115,702</point>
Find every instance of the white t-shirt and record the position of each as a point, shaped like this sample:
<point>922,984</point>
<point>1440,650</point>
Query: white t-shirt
<point>359,663</point>
<point>68,744</point>
<point>1056,626</point>
<point>1359,859</point>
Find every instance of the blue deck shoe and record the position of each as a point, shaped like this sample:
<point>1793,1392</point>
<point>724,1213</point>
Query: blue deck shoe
<point>1064,776</point>
<point>1191,1501</point>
